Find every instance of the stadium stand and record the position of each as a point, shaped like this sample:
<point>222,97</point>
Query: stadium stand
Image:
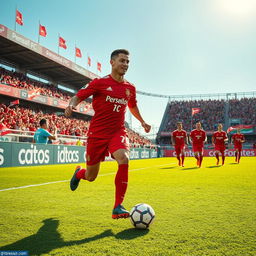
<point>228,111</point>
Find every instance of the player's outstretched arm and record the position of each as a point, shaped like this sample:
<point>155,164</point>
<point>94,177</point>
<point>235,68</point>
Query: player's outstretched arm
<point>72,105</point>
<point>136,113</point>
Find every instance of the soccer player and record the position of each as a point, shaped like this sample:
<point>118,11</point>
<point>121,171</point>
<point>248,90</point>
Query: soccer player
<point>179,140</point>
<point>107,134</point>
<point>42,135</point>
<point>198,138</point>
<point>218,140</point>
<point>238,139</point>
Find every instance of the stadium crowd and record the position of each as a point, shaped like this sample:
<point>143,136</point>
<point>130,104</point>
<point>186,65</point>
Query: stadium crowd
<point>181,111</point>
<point>21,81</point>
<point>244,109</point>
<point>25,119</point>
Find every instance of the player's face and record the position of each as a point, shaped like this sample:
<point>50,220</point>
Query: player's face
<point>220,127</point>
<point>120,64</point>
<point>238,131</point>
<point>198,126</point>
<point>179,126</point>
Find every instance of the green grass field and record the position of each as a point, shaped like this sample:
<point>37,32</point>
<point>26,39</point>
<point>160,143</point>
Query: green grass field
<point>206,211</point>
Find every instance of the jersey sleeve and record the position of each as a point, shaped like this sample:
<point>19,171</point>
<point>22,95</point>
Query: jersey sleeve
<point>132,101</point>
<point>46,133</point>
<point>90,89</point>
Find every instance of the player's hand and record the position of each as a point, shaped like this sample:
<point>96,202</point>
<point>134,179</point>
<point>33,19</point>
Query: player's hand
<point>146,127</point>
<point>69,110</point>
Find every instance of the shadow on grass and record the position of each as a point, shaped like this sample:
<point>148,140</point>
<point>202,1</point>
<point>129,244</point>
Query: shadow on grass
<point>48,238</point>
<point>233,163</point>
<point>189,168</point>
<point>173,167</point>
<point>213,166</point>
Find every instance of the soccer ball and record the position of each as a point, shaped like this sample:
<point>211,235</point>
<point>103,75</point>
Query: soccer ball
<point>142,215</point>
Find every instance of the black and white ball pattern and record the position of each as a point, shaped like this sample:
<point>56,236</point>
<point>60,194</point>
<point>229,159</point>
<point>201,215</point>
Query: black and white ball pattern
<point>142,216</point>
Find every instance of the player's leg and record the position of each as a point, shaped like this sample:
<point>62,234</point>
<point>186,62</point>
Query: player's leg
<point>223,156</point>
<point>217,156</point>
<point>239,155</point>
<point>177,150</point>
<point>236,155</point>
<point>197,157</point>
<point>201,156</point>
<point>119,149</point>
<point>121,183</point>
<point>96,151</point>
<point>182,156</point>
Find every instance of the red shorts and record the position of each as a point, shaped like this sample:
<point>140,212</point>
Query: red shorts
<point>198,148</point>
<point>98,149</point>
<point>178,149</point>
<point>220,148</point>
<point>238,147</point>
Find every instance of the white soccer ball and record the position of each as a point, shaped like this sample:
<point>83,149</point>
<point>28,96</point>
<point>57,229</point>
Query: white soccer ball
<point>142,216</point>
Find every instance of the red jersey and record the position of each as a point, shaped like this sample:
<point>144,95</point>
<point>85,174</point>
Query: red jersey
<point>179,137</point>
<point>237,139</point>
<point>110,99</point>
<point>198,137</point>
<point>220,137</point>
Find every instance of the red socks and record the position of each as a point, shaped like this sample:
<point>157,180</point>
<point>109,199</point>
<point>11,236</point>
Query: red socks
<point>182,159</point>
<point>81,174</point>
<point>121,182</point>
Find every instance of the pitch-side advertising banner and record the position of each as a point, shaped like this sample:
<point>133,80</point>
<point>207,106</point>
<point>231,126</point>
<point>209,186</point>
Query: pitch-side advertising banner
<point>25,154</point>
<point>210,152</point>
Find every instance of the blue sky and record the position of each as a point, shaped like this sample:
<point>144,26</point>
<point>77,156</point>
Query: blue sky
<point>176,46</point>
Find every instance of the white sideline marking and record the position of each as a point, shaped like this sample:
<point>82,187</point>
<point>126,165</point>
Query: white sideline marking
<point>52,182</point>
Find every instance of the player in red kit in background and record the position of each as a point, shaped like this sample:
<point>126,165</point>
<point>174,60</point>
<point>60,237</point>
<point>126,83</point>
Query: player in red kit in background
<point>179,140</point>
<point>198,138</point>
<point>218,139</point>
<point>238,139</point>
<point>107,134</point>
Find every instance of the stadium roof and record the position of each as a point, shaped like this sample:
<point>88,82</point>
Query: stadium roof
<point>21,52</point>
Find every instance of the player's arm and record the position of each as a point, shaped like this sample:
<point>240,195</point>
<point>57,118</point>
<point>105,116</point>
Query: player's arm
<point>243,140</point>
<point>54,136</point>
<point>213,140</point>
<point>72,105</point>
<point>172,140</point>
<point>136,113</point>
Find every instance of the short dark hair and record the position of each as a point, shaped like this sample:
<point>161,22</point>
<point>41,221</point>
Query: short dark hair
<point>115,53</point>
<point>42,122</point>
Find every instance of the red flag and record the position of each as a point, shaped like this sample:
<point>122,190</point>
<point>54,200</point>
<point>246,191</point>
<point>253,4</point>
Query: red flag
<point>89,61</point>
<point>78,53</point>
<point>15,102</point>
<point>99,66</point>
<point>62,43</point>
<point>19,18</point>
<point>195,111</point>
<point>4,130</point>
<point>42,30</point>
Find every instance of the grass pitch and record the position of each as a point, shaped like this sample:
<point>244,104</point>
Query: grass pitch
<point>206,211</point>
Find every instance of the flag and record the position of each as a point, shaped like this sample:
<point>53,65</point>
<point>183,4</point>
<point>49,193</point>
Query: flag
<point>62,43</point>
<point>99,66</point>
<point>78,53</point>
<point>4,130</point>
<point>42,30</point>
<point>195,111</point>
<point>33,93</point>
<point>15,102</point>
<point>89,61</point>
<point>19,19</point>
<point>245,129</point>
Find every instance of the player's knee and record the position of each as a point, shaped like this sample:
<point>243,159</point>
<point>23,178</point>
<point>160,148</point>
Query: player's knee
<point>123,159</point>
<point>91,178</point>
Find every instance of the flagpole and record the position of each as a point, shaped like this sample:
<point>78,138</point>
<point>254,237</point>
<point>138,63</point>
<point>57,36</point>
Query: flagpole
<point>15,19</point>
<point>39,33</point>
<point>58,43</point>
<point>75,52</point>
